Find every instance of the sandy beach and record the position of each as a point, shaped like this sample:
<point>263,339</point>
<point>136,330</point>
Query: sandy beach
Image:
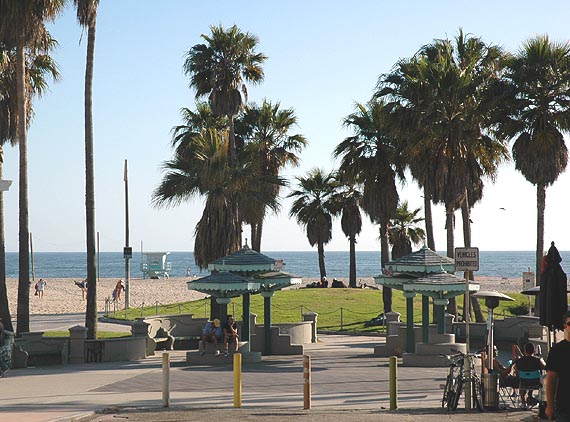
<point>62,296</point>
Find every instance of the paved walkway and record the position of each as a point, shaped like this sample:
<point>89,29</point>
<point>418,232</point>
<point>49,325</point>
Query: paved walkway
<point>347,381</point>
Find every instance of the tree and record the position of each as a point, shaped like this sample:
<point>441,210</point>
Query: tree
<point>314,207</point>
<point>87,17</point>
<point>349,198</point>
<point>369,158</point>
<point>403,230</point>
<point>265,131</point>
<point>450,78</point>
<point>536,114</point>
<point>38,66</point>
<point>203,169</point>
<point>219,69</point>
<point>21,27</point>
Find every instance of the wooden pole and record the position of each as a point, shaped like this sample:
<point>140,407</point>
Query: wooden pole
<point>32,256</point>
<point>393,383</point>
<point>306,382</point>
<point>165,379</point>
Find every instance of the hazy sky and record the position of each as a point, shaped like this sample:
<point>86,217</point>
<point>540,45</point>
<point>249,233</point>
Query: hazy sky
<point>323,56</point>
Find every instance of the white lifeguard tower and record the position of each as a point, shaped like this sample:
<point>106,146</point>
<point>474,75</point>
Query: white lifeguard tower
<point>155,265</point>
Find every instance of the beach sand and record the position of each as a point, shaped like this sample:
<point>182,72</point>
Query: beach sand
<point>62,296</point>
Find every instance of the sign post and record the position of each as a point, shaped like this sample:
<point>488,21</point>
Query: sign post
<point>467,259</point>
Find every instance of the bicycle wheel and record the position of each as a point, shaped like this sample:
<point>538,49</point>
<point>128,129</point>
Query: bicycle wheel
<point>447,388</point>
<point>477,393</point>
<point>457,394</point>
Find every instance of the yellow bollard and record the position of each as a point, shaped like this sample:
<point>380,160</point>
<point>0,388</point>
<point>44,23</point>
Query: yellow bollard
<point>237,380</point>
<point>306,382</point>
<point>393,383</point>
<point>165,379</point>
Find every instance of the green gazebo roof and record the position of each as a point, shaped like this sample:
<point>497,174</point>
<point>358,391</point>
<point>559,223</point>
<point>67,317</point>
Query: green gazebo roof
<point>224,284</point>
<point>424,261</point>
<point>244,260</point>
<point>276,280</point>
<point>443,286</point>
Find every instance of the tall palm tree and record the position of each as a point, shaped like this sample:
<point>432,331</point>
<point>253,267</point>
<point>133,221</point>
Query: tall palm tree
<point>21,24</point>
<point>204,170</point>
<point>370,159</point>
<point>38,66</point>
<point>536,114</point>
<point>265,129</point>
<point>349,199</point>
<point>445,83</point>
<point>403,230</point>
<point>314,208</point>
<point>219,69</point>
<point>87,17</point>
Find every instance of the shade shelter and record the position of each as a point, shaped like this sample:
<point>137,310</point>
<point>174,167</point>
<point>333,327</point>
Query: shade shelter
<point>241,274</point>
<point>427,273</point>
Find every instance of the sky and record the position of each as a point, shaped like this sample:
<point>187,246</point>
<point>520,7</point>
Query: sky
<point>323,56</point>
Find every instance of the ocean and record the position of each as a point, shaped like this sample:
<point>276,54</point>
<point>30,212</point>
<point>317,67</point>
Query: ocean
<point>304,264</point>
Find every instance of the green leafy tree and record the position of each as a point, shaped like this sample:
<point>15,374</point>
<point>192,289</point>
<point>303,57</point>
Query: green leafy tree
<point>87,17</point>
<point>219,69</point>
<point>369,158</point>
<point>22,28</point>
<point>314,207</point>
<point>536,114</point>
<point>404,231</point>
<point>265,130</point>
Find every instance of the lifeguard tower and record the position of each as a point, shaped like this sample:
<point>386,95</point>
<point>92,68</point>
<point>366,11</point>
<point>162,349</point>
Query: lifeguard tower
<point>155,265</point>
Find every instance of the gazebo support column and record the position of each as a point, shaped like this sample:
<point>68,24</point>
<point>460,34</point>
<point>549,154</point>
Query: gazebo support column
<point>223,301</point>
<point>425,319</point>
<point>441,304</point>
<point>267,322</point>
<point>246,335</point>
<point>410,338</point>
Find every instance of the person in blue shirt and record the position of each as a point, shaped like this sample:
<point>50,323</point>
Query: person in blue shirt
<point>212,333</point>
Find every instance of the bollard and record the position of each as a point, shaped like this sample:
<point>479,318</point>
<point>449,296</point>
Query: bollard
<point>156,307</point>
<point>393,383</point>
<point>341,320</point>
<point>306,382</point>
<point>165,379</point>
<point>237,380</point>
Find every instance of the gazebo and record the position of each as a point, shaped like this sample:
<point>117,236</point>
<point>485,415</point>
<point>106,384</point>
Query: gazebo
<point>241,274</point>
<point>429,274</point>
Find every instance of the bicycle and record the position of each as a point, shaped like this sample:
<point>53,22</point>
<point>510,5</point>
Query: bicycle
<point>455,382</point>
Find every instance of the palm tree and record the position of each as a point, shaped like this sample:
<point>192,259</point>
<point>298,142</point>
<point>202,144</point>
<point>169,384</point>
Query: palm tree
<point>204,170</point>
<point>314,208</point>
<point>87,17</point>
<point>349,199</point>
<point>403,230</point>
<point>265,129</point>
<point>38,66</point>
<point>219,69</point>
<point>370,159</point>
<point>537,115</point>
<point>21,26</point>
<point>441,93</point>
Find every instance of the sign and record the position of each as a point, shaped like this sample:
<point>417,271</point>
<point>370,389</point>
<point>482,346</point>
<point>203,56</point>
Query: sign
<point>466,259</point>
<point>528,280</point>
<point>127,252</point>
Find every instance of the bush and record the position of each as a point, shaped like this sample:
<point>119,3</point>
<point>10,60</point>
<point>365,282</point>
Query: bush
<point>520,309</point>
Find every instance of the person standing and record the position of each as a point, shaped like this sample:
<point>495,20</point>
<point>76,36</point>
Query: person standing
<point>558,377</point>
<point>120,287</point>
<point>40,287</point>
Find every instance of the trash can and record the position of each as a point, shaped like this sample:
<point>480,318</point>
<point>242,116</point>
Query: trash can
<point>491,391</point>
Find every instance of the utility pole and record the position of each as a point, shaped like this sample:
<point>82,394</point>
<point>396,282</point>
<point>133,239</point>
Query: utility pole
<point>128,251</point>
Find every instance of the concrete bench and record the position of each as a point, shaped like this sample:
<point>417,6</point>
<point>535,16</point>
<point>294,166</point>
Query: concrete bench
<point>44,350</point>
<point>180,332</point>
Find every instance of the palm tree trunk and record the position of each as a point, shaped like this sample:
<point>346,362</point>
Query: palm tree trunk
<point>352,263</point>
<point>428,219</point>
<point>321,252</point>
<point>540,206</point>
<point>256,241</point>
<point>91,311</point>
<point>384,259</point>
<point>4,307</point>
<point>23,323</point>
<point>466,214</point>
<point>450,226</point>
<point>233,155</point>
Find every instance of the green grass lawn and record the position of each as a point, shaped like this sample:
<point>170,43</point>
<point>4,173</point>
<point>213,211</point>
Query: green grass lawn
<point>346,309</point>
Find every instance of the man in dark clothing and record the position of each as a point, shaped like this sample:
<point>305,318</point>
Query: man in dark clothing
<point>531,364</point>
<point>558,377</point>
<point>230,334</point>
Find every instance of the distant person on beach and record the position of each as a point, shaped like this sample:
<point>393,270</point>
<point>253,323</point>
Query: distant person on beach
<point>40,287</point>
<point>188,271</point>
<point>83,286</point>
<point>119,287</point>
<point>230,335</point>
